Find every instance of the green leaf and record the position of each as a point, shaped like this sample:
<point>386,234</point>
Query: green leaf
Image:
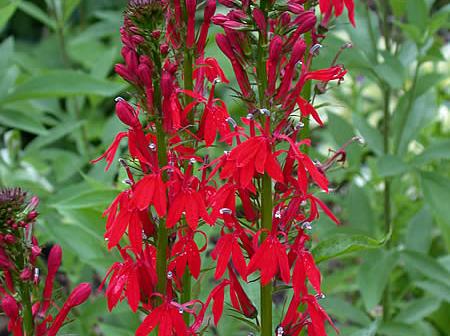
<point>34,11</point>
<point>393,328</point>
<point>436,190</point>
<point>371,135</point>
<point>426,265</point>
<point>398,7</point>
<point>437,289</point>
<point>360,211</point>
<point>342,244</point>
<point>428,81</point>
<point>391,71</point>
<point>419,234</point>
<point>391,165</point>
<point>88,199</point>
<point>418,309</point>
<point>369,331</point>
<point>409,123</point>
<point>437,151</point>
<point>7,9</point>
<point>53,135</point>
<point>63,83</point>
<point>22,120</point>
<point>374,274</point>
<point>345,311</point>
<point>417,13</point>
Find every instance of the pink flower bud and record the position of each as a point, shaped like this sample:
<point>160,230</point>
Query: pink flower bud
<point>26,274</point>
<point>156,34</point>
<point>260,19</point>
<point>126,113</point>
<point>190,34</point>
<point>9,239</point>
<point>32,215</point>
<point>164,49</point>
<point>10,307</point>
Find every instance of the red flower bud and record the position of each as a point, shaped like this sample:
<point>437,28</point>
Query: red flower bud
<point>126,113</point>
<point>190,34</point>
<point>26,274</point>
<point>260,19</point>
<point>9,239</point>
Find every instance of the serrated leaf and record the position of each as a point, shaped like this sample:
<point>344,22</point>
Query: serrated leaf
<point>342,244</point>
<point>63,83</point>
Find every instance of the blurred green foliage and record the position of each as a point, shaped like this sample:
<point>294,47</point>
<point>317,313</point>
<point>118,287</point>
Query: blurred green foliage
<point>56,114</point>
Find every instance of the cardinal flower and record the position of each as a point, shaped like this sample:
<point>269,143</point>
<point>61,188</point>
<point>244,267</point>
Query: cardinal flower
<point>169,319</point>
<point>251,157</point>
<point>186,252</point>
<point>271,259</point>
<point>228,248</point>
<point>326,7</point>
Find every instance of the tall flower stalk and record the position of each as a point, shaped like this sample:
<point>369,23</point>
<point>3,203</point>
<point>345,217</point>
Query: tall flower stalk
<point>261,194</point>
<point>28,307</point>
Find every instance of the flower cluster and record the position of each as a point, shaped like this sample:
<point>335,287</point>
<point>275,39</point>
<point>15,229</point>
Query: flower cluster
<point>260,195</point>
<point>29,314</point>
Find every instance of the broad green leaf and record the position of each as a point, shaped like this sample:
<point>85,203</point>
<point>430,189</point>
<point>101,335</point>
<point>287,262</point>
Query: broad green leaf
<point>88,199</point>
<point>409,123</point>
<point>417,13</point>
<point>371,135</point>
<point>7,9</point>
<point>437,289</point>
<point>345,311</point>
<point>391,71</point>
<point>63,83</point>
<point>22,121</point>
<point>428,81</point>
<point>419,234</point>
<point>393,328</point>
<point>426,265</point>
<point>341,244</point>
<point>418,309</point>
<point>6,53</point>
<point>369,331</point>
<point>398,7</point>
<point>436,190</point>
<point>412,31</point>
<point>34,11</point>
<point>53,135</point>
<point>374,274</point>
<point>391,165</point>
<point>437,151</point>
<point>360,211</point>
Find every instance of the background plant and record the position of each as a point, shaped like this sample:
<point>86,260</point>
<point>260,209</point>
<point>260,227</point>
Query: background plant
<point>48,159</point>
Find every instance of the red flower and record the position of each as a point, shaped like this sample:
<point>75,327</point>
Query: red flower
<point>54,262</point>
<point>169,319</point>
<point>249,158</point>
<point>228,248</point>
<point>133,279</point>
<point>326,7</point>
<point>186,252</point>
<point>80,294</point>
<point>11,309</point>
<point>271,259</point>
<point>187,198</point>
<point>240,299</point>
<point>151,190</point>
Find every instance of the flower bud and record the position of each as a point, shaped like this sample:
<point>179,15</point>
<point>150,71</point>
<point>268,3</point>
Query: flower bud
<point>126,113</point>
<point>26,274</point>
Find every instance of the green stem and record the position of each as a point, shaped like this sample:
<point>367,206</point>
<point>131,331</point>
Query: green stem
<point>387,197</point>
<point>306,94</point>
<point>186,294</point>
<point>188,80</point>
<point>266,223</point>
<point>162,243</point>
<point>25,295</point>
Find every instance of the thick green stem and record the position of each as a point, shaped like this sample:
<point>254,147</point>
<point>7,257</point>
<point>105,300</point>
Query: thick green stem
<point>306,94</point>
<point>266,223</point>
<point>25,295</point>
